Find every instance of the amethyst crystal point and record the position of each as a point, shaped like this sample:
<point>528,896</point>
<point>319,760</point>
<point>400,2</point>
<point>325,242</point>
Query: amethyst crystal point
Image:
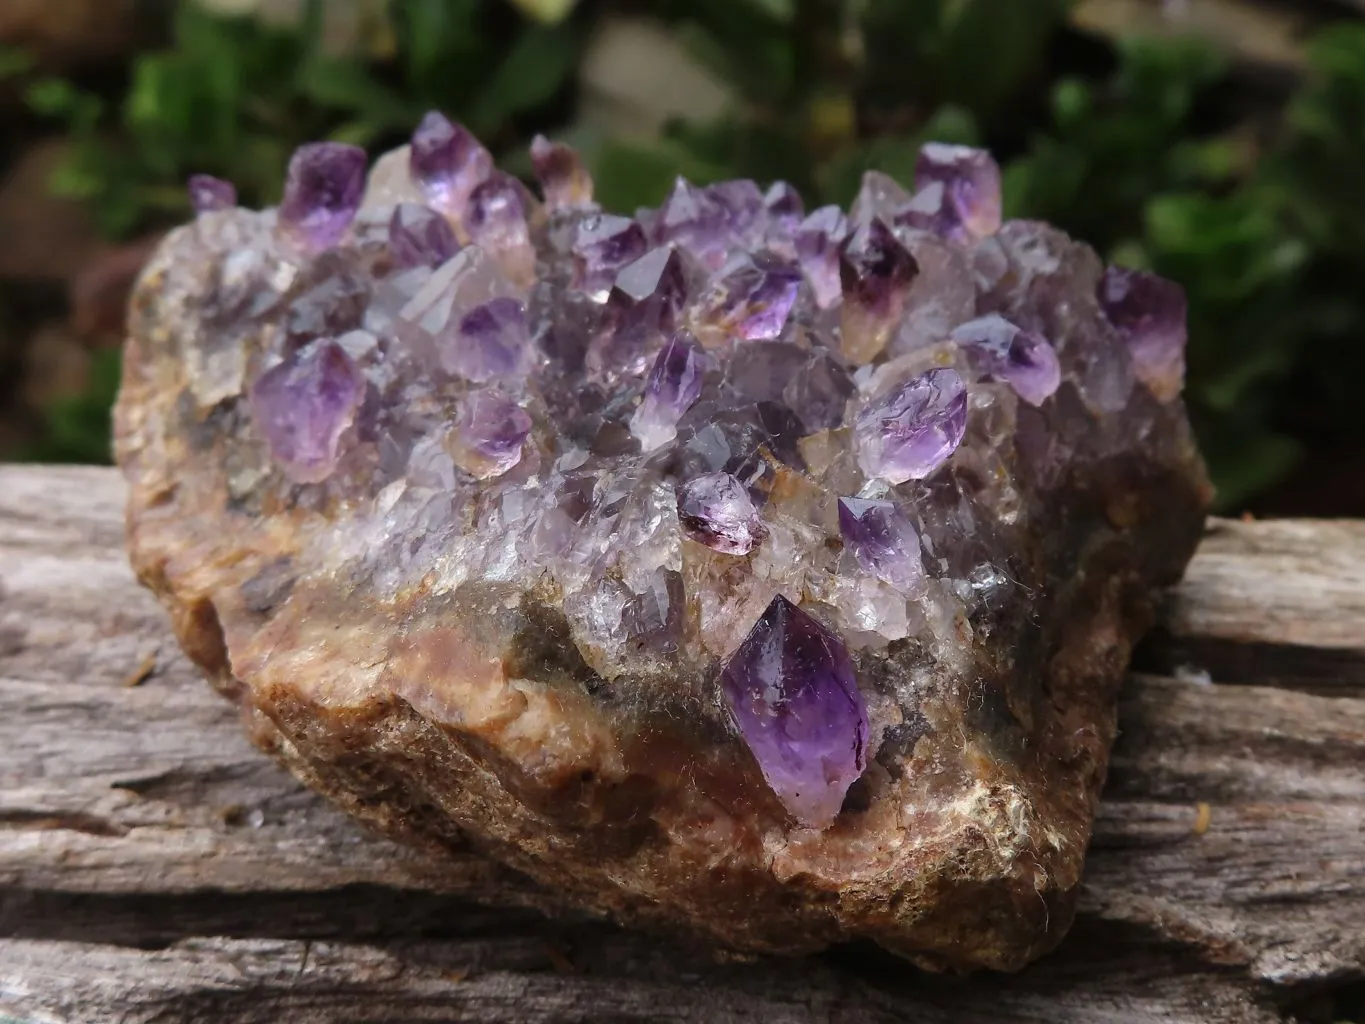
<point>322,192</point>
<point>715,510</point>
<point>564,181</point>
<point>883,541</point>
<point>875,272</point>
<point>1149,311</point>
<point>673,386</point>
<point>602,245</point>
<point>751,297</point>
<point>304,405</point>
<point>792,692</point>
<point>489,434</point>
<point>817,240</point>
<point>692,219</point>
<point>1024,360</point>
<point>971,185</point>
<point>911,430</point>
<point>447,162</point>
<point>420,237</point>
<point>208,193</point>
<point>496,218</point>
<point>656,279</point>
<point>492,341</point>
<point>784,206</point>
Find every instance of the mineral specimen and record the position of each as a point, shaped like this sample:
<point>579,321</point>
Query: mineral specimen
<point>724,568</point>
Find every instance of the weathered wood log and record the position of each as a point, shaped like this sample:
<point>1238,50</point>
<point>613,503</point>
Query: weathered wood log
<point>154,867</point>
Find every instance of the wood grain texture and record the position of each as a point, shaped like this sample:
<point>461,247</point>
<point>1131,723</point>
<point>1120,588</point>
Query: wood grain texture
<point>154,867</point>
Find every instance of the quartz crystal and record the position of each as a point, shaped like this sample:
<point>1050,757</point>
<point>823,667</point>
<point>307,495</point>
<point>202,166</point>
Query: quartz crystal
<point>208,193</point>
<point>420,237</point>
<point>1149,311</point>
<point>912,429</point>
<point>762,575</point>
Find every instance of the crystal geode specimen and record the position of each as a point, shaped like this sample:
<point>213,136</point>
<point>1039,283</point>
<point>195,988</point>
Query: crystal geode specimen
<point>761,574</point>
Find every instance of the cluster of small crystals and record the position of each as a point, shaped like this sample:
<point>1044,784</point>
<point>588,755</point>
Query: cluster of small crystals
<point>727,431</point>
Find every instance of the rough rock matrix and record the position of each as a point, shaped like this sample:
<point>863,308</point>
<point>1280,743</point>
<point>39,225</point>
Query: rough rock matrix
<point>762,574</point>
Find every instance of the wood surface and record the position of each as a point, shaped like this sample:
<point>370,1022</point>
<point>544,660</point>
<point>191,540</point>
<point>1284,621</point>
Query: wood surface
<point>156,868</point>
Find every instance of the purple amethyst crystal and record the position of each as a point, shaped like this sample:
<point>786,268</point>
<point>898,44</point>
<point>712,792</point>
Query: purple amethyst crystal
<point>792,691</point>
<point>1149,311</point>
<point>883,541</point>
<point>911,430</point>
<point>673,386</point>
<point>489,434</point>
<point>818,239</point>
<point>564,181</point>
<point>751,297</point>
<point>1023,359</point>
<point>208,193</point>
<point>709,222</point>
<point>656,279</point>
<point>492,341</point>
<point>496,218</point>
<point>420,237</point>
<point>602,245</point>
<point>715,510</point>
<point>875,272</point>
<point>322,192</point>
<point>642,307</point>
<point>304,405</point>
<point>784,206</point>
<point>447,162</point>
<point>971,188</point>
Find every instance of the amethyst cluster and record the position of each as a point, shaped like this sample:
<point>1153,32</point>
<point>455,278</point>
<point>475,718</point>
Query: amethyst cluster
<point>714,554</point>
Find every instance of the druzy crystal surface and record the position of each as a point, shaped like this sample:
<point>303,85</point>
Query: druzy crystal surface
<point>725,567</point>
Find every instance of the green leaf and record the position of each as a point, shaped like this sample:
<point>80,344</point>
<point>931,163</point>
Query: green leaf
<point>535,68</point>
<point>14,62</point>
<point>346,85</point>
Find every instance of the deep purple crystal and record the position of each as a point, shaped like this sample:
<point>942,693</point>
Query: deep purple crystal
<point>674,384</point>
<point>208,193</point>
<point>792,691</point>
<point>1149,311</point>
<point>883,541</point>
<point>1004,351</point>
<point>303,406</point>
<point>751,297</point>
<point>564,181</point>
<point>602,245</point>
<point>322,192</point>
<point>911,430</point>
<point>875,273</point>
<point>489,434</point>
<point>818,239</point>
<point>420,237</point>
<point>971,183</point>
<point>447,162</point>
<point>715,510</point>
<point>491,341</point>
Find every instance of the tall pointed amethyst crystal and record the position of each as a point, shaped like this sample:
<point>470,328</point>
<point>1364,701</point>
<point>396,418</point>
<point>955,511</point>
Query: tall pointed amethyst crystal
<point>876,272</point>
<point>447,162</point>
<point>883,541</point>
<point>304,405</point>
<point>322,192</point>
<point>673,386</point>
<point>751,297</point>
<point>792,691</point>
<point>1149,311</point>
<point>817,240</point>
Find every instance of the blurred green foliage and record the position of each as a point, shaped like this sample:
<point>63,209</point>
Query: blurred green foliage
<point>1147,153</point>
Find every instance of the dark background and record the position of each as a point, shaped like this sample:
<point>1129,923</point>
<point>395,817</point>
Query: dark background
<point>1220,142</point>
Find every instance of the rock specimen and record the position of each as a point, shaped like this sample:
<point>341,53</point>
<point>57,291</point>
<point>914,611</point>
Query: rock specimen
<point>765,575</point>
